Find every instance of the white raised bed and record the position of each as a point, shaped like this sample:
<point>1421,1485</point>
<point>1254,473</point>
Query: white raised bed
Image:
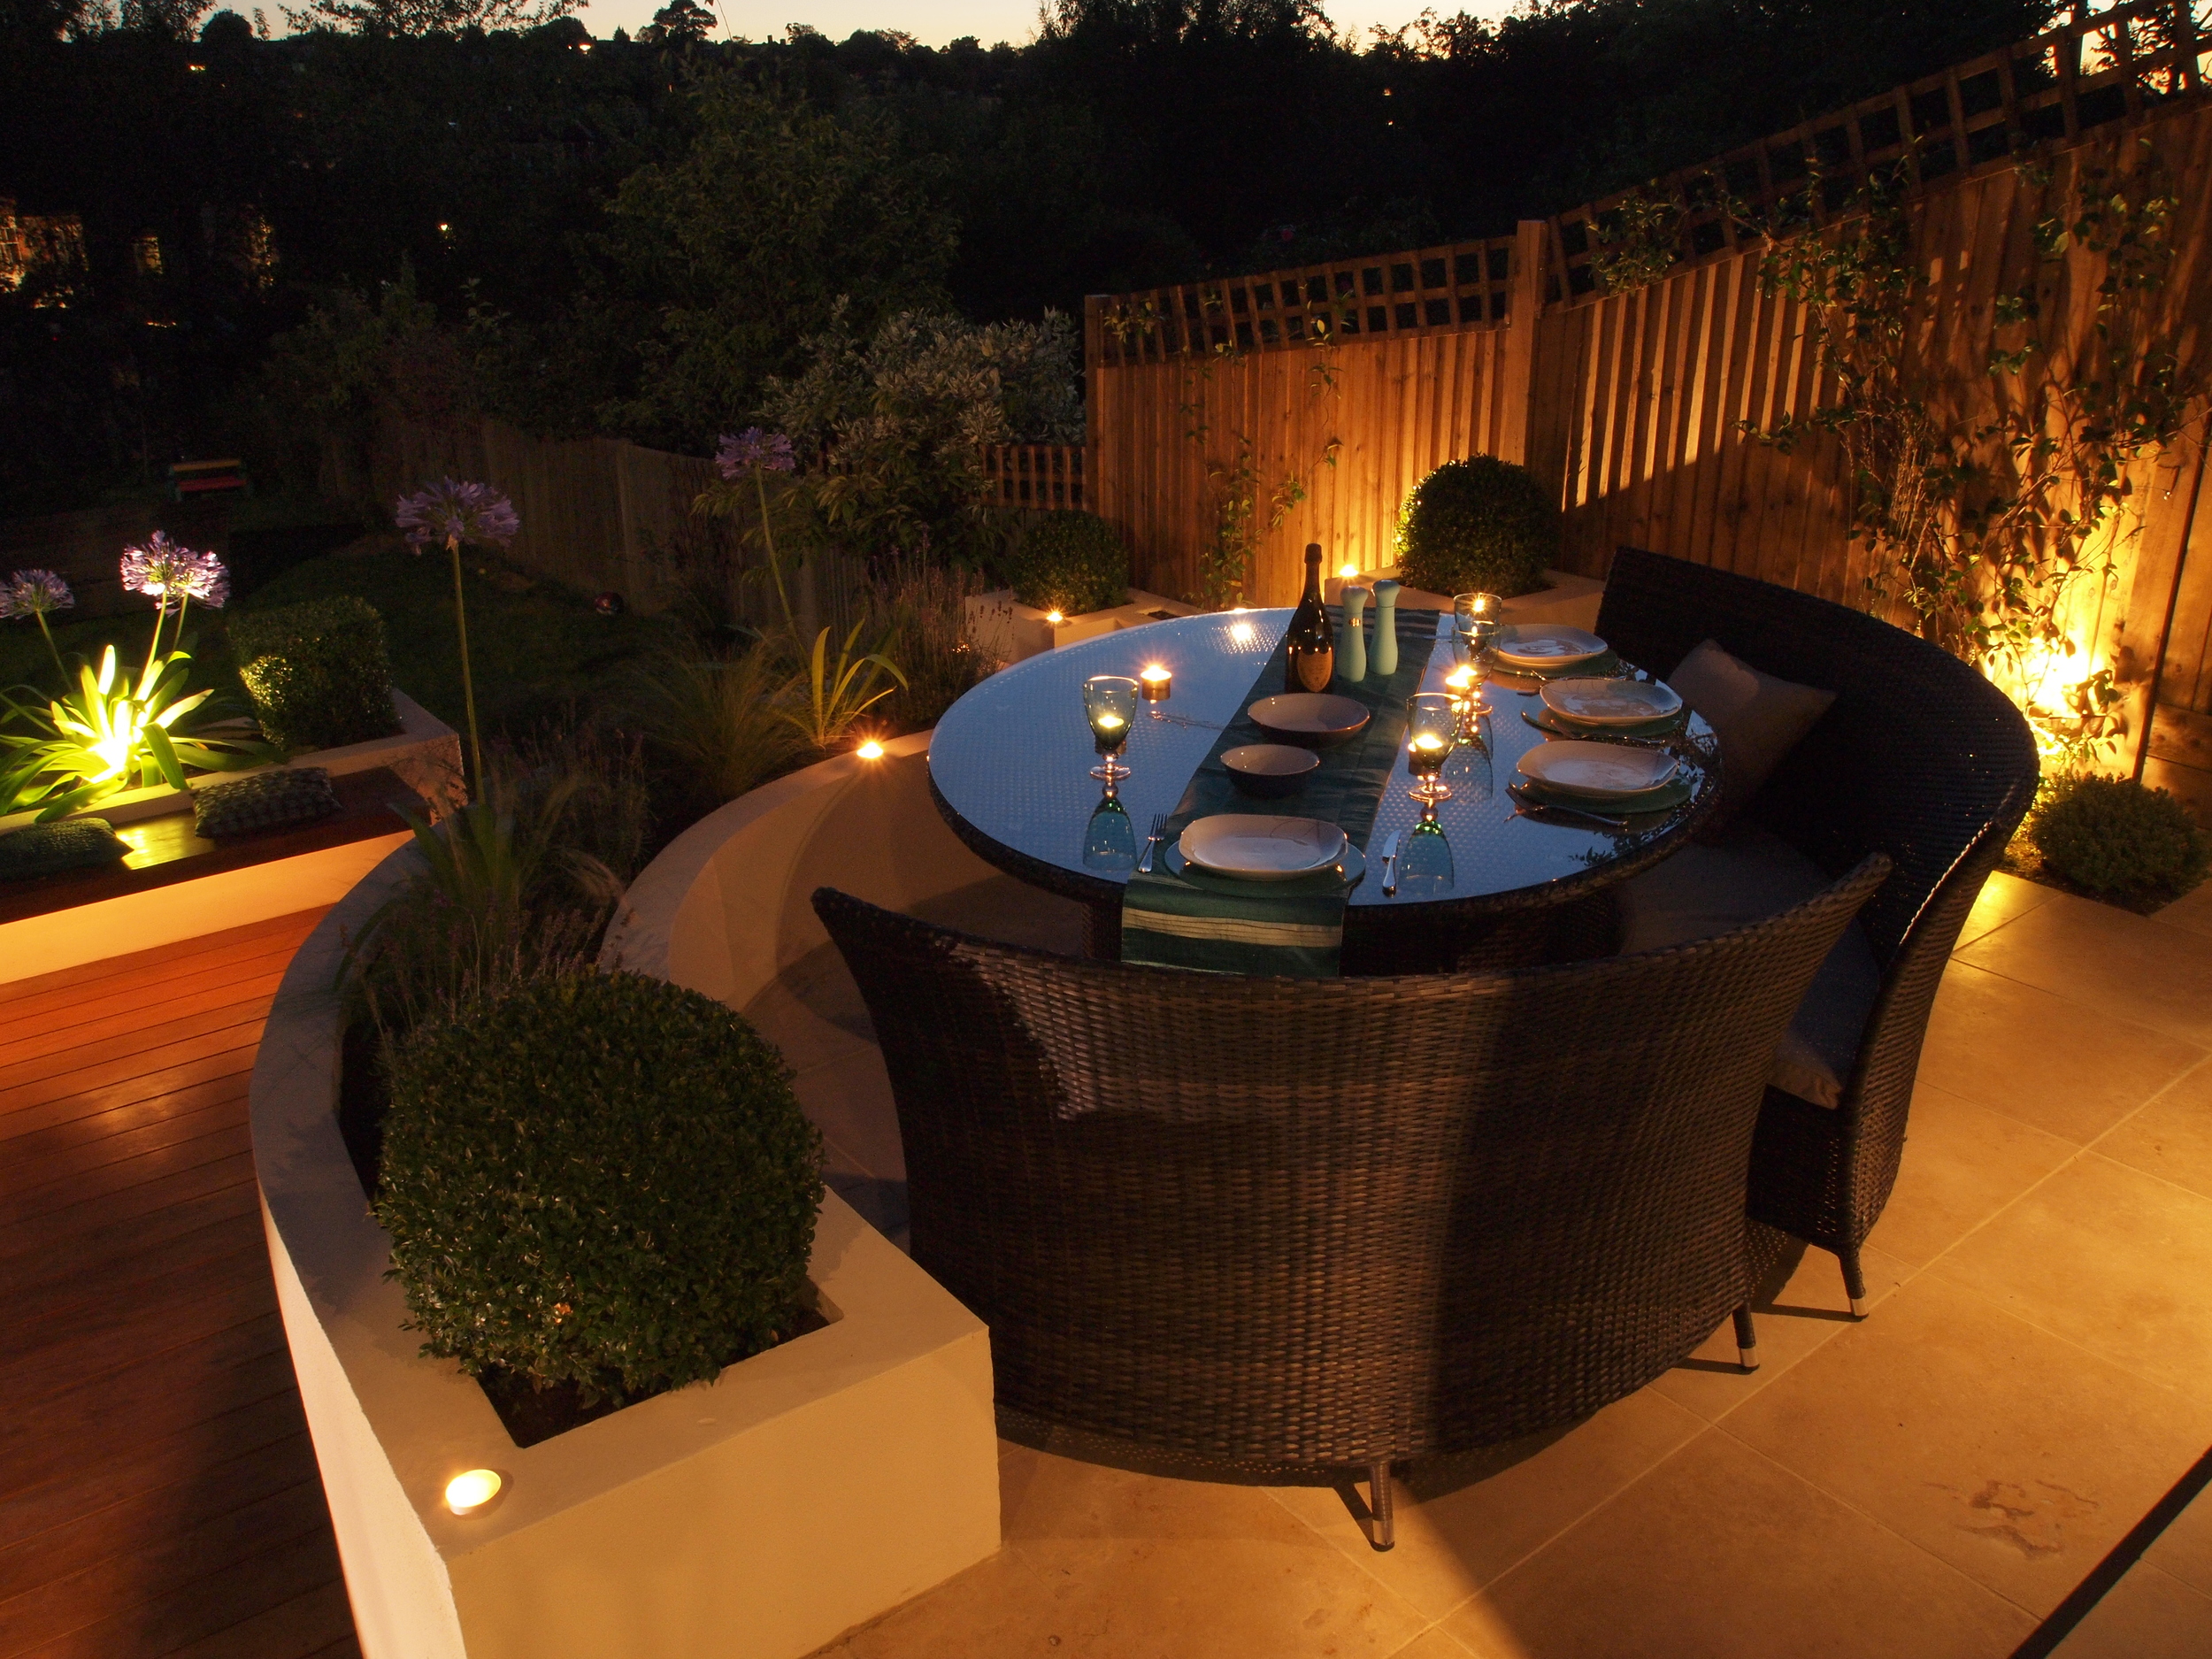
<point>424,755</point>
<point>805,1491</point>
<point>1002,626</point>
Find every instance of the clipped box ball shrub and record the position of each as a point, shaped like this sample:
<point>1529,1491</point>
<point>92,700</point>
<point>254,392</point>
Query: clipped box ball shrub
<point>317,672</point>
<point>1479,526</point>
<point>597,1179</point>
<point>1071,562</point>
<point>2112,836</point>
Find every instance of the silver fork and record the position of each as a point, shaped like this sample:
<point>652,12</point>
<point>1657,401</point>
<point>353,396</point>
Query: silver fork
<point>1159,834</point>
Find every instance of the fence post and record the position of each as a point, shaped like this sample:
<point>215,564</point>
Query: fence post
<point>1523,311</point>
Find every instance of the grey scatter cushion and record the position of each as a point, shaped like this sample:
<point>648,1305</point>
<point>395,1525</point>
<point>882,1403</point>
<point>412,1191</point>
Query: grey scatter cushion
<point>1744,876</point>
<point>269,799</point>
<point>1757,718</point>
<point>48,849</point>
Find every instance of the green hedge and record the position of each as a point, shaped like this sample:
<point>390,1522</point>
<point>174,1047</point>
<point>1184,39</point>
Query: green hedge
<point>317,672</point>
<point>1479,526</point>
<point>599,1179</point>
<point>1071,562</point>
<point>2111,835</point>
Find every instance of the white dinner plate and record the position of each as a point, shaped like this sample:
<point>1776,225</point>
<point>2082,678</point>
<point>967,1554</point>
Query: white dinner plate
<point>1548,645</point>
<point>1597,769</point>
<point>1612,702</point>
<point>1262,848</point>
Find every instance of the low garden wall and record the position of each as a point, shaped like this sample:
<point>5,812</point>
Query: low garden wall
<point>807,1490</point>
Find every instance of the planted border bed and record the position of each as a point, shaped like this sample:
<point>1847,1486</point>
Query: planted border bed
<point>806,1490</point>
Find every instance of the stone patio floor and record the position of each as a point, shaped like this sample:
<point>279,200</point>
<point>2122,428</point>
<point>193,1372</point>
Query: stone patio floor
<point>1935,1481</point>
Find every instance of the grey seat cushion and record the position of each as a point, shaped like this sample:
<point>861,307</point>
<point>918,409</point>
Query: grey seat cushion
<point>1757,718</point>
<point>1748,874</point>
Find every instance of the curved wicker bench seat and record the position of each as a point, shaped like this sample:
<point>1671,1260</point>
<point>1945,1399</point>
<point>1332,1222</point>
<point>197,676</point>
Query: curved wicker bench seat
<point>1327,1225</point>
<point>1919,757</point>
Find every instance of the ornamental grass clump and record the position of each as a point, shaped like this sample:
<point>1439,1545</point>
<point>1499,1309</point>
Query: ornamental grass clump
<point>599,1179</point>
<point>2114,837</point>
<point>1479,526</point>
<point>1072,562</point>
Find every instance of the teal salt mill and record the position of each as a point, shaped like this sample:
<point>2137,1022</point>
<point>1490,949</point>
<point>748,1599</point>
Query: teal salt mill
<point>1351,650</point>
<point>1385,657</point>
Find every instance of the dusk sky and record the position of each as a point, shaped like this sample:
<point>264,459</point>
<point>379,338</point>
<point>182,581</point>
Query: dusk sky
<point>936,22</point>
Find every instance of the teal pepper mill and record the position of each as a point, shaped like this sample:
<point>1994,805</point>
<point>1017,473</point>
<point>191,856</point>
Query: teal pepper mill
<point>1384,659</point>
<point>1351,650</point>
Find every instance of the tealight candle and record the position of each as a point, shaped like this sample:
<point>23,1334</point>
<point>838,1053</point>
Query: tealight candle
<point>1158,681</point>
<point>1107,724</point>
<point>471,1489</point>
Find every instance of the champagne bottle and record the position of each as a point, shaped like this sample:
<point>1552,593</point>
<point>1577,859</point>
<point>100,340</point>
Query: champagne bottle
<point>1310,644</point>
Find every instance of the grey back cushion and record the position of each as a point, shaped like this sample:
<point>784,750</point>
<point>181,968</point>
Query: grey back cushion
<point>1757,718</point>
<point>1748,875</point>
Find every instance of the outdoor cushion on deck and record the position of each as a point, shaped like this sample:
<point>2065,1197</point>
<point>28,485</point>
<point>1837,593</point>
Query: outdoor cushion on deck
<point>1708,889</point>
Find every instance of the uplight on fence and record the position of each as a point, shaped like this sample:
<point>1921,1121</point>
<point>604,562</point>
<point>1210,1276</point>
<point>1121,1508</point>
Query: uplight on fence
<point>471,1489</point>
<point>1348,570</point>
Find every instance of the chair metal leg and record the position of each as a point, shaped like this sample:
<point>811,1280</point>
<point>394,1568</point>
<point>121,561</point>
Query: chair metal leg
<point>1854,1282</point>
<point>1384,1532</point>
<point>1746,1340</point>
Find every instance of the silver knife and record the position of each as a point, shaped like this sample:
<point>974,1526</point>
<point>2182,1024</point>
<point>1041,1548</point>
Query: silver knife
<point>1390,864</point>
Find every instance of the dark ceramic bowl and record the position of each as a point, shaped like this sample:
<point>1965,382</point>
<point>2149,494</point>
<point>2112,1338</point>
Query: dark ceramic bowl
<point>1270,770</point>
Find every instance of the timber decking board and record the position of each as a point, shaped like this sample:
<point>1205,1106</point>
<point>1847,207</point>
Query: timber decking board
<point>159,1491</point>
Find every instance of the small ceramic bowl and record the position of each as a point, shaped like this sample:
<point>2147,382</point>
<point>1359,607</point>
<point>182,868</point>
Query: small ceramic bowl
<point>1312,719</point>
<point>1270,770</point>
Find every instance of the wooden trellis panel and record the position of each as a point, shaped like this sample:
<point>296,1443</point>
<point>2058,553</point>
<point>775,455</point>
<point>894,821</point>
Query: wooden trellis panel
<point>1044,476</point>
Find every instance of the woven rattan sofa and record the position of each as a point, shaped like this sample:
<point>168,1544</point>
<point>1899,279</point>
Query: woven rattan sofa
<point>1297,1225</point>
<point>1919,757</point>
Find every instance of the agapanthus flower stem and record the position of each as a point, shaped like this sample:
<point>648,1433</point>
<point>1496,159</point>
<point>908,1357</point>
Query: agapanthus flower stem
<point>775,565</point>
<point>468,681</point>
<point>53,649</point>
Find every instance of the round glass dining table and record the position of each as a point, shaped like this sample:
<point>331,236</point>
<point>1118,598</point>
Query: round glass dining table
<point>1009,766</point>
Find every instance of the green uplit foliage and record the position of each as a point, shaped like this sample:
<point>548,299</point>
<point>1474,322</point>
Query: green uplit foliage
<point>1071,562</point>
<point>2114,837</point>
<point>599,1179</point>
<point>317,672</point>
<point>1478,525</point>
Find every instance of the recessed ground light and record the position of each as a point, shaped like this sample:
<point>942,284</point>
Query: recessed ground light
<point>471,1489</point>
<point>1055,618</point>
<point>870,750</point>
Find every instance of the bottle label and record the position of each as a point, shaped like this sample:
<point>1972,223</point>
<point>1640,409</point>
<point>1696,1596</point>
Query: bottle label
<point>1313,669</point>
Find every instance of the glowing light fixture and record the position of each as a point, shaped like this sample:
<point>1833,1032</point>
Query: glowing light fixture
<point>1157,682</point>
<point>870,750</point>
<point>1055,618</point>
<point>1348,570</point>
<point>471,1489</point>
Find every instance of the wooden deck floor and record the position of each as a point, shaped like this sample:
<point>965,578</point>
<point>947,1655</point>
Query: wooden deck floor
<point>159,1493</point>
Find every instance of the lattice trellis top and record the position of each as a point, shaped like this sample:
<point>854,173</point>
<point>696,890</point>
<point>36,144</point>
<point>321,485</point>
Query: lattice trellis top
<point>2130,60</point>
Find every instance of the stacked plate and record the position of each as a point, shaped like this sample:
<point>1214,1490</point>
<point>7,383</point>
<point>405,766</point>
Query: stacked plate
<point>1619,708</point>
<point>1572,772</point>
<point>1542,647</point>
<point>1260,849</point>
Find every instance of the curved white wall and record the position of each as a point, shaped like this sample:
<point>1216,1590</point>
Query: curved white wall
<point>809,1489</point>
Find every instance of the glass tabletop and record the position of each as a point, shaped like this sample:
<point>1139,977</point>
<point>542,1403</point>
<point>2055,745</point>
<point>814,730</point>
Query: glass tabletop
<point>1013,759</point>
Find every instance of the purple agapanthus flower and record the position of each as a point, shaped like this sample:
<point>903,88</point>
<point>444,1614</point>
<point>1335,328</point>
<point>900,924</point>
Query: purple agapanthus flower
<point>451,512</point>
<point>167,570</point>
<point>753,450</point>
<point>35,593</point>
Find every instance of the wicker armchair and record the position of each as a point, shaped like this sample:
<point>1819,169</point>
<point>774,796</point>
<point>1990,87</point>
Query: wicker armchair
<point>1919,757</point>
<point>1295,1225</point>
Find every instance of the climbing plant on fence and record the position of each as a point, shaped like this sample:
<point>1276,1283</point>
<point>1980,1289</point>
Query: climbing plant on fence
<point>1996,496</point>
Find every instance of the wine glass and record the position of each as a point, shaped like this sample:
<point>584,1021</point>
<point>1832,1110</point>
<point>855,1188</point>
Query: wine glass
<point>1432,728</point>
<point>1477,621</point>
<point>1110,703</point>
<point>1424,868</point>
<point>1109,840</point>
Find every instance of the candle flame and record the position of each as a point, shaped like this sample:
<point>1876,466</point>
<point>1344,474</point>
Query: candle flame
<point>1156,673</point>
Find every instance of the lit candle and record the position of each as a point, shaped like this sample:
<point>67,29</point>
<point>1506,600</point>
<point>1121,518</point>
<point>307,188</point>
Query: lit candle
<point>1107,724</point>
<point>870,750</point>
<point>1460,679</point>
<point>1428,742</point>
<point>1157,683</point>
<point>471,1489</point>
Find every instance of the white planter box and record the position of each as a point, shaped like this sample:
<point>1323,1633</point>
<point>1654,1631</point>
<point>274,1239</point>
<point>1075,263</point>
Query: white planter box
<point>425,754</point>
<point>805,1491</point>
<point>1002,626</point>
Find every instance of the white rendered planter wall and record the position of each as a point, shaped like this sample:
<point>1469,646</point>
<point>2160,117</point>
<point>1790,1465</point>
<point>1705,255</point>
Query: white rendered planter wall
<point>807,1490</point>
<point>424,755</point>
